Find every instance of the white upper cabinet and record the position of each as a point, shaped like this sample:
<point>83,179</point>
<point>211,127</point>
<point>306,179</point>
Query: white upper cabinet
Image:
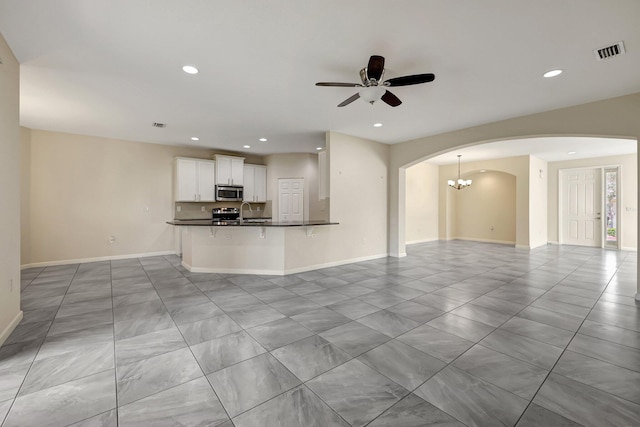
<point>229,170</point>
<point>195,180</point>
<point>255,183</point>
<point>207,180</point>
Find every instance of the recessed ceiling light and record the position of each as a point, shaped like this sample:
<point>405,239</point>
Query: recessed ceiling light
<point>571,152</point>
<point>483,170</point>
<point>552,73</point>
<point>190,69</point>
<point>195,138</point>
<point>318,148</point>
<point>246,146</point>
<point>263,140</point>
<point>377,125</point>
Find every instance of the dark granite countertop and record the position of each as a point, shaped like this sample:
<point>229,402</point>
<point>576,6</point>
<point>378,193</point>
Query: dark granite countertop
<point>247,223</point>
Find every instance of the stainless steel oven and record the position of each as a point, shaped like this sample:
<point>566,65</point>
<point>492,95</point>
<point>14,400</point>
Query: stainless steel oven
<point>229,193</point>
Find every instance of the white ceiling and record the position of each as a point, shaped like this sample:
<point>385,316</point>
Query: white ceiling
<point>113,67</point>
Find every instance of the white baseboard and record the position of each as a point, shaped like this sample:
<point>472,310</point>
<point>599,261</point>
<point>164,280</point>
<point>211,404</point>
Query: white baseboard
<point>96,259</point>
<point>413,242</point>
<point>282,272</point>
<point>500,242</point>
<point>10,327</point>
<point>630,249</point>
<point>553,242</point>
<point>398,255</point>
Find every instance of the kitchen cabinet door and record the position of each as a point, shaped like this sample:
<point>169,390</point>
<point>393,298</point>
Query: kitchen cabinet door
<point>229,170</point>
<point>249,174</point>
<point>195,180</point>
<point>255,183</point>
<point>260,183</point>
<point>223,170</point>
<point>186,180</point>
<point>237,171</point>
<point>206,181</point>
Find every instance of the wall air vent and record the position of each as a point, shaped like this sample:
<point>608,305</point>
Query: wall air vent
<point>159,125</point>
<point>609,51</point>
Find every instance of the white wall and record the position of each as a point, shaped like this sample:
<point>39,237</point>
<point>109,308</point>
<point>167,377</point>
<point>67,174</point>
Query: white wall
<point>422,203</point>
<point>10,314</point>
<point>628,181</point>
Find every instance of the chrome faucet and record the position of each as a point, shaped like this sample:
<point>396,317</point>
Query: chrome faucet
<point>241,206</point>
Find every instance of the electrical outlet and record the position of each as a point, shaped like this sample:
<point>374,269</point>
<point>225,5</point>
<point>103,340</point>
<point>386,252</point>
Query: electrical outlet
<point>258,208</point>
<point>202,209</point>
<point>112,239</point>
<point>178,208</point>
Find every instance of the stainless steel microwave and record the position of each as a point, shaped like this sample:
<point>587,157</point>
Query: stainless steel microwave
<point>229,193</point>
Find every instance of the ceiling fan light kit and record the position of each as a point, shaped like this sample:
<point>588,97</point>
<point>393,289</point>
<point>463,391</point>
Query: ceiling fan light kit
<point>372,94</point>
<point>373,86</point>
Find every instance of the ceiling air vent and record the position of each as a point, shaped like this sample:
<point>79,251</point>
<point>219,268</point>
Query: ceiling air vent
<point>159,125</point>
<point>609,51</point>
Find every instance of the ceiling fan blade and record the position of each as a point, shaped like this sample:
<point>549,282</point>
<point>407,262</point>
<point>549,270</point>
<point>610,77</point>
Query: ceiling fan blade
<point>410,80</point>
<point>391,99</point>
<point>349,100</point>
<point>375,67</point>
<point>335,84</point>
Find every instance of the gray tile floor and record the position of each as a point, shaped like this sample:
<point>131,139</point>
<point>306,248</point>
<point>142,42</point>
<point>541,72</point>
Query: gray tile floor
<point>456,333</point>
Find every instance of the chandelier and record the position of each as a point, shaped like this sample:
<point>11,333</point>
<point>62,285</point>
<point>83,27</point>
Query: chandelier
<point>460,183</point>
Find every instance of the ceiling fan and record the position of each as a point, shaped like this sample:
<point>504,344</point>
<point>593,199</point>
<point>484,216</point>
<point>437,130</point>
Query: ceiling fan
<point>374,88</point>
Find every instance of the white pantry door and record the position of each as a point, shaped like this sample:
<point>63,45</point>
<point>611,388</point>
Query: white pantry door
<point>581,207</point>
<point>290,199</point>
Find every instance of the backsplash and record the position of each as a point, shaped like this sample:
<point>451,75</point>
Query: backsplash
<point>192,210</point>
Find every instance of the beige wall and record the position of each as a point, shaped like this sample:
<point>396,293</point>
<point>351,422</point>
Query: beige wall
<point>85,189</point>
<point>628,214</point>
<point>486,211</point>
<point>516,166</point>
<point>358,193</point>
<point>538,195</point>
<point>295,165</point>
<point>25,193</point>
<point>422,203</point>
<point>615,117</point>
<point>10,313</point>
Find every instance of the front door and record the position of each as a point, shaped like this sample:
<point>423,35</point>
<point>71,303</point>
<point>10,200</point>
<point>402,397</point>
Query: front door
<point>290,199</point>
<point>581,212</point>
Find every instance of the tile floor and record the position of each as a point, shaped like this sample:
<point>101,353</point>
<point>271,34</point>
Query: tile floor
<point>454,334</point>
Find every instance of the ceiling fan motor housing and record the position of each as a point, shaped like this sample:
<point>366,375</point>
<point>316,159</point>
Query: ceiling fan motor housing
<point>373,87</point>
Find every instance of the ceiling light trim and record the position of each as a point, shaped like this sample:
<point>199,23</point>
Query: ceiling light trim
<point>190,69</point>
<point>553,73</point>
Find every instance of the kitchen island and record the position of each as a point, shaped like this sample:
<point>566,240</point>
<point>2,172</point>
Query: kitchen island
<point>253,246</point>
